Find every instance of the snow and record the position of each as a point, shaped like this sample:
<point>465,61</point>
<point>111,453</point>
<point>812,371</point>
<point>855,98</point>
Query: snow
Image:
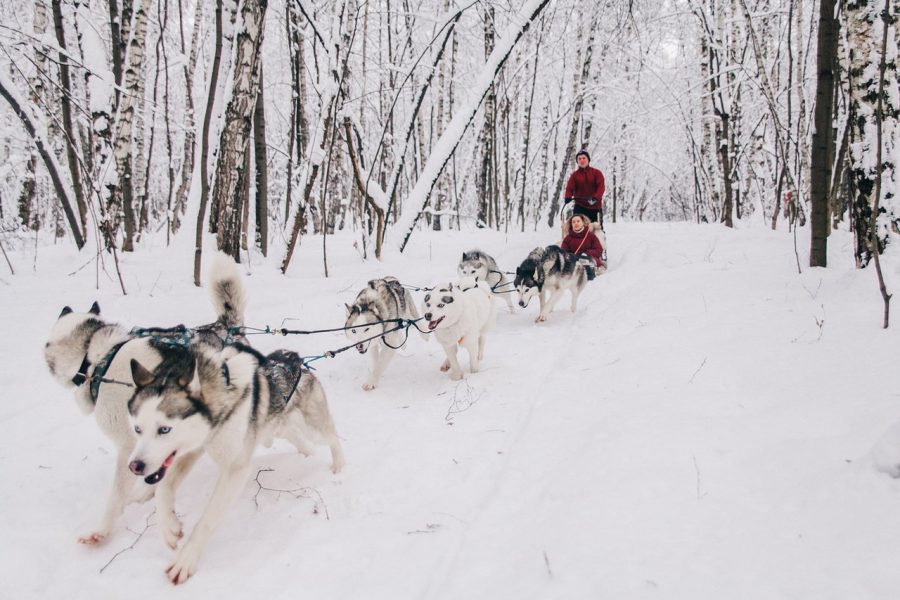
<point>709,424</point>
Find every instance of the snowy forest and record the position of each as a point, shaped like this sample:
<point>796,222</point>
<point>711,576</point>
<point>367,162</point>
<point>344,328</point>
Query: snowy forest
<point>266,122</point>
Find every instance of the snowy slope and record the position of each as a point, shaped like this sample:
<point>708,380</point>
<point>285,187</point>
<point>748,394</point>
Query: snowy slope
<point>701,428</point>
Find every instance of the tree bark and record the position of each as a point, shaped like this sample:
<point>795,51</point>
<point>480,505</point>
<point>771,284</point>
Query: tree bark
<point>821,139</point>
<point>228,196</point>
<point>262,169</point>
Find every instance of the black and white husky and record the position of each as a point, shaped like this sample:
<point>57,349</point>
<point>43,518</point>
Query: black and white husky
<point>483,267</point>
<point>223,403</point>
<point>460,316</point>
<point>547,273</point>
<point>381,300</point>
<point>92,357</point>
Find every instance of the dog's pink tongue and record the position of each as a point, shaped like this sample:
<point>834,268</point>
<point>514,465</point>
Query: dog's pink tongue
<point>169,461</point>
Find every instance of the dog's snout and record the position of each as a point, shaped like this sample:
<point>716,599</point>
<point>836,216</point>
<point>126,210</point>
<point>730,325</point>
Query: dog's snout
<point>427,316</point>
<point>137,467</point>
<point>522,304</point>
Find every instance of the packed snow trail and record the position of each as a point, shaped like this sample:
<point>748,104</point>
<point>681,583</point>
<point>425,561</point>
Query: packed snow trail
<point>698,429</point>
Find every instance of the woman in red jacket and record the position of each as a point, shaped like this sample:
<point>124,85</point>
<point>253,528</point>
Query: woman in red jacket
<point>582,240</point>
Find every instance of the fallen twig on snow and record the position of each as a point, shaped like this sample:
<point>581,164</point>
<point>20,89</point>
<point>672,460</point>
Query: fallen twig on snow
<point>300,492</point>
<point>139,534</point>
<point>691,380</point>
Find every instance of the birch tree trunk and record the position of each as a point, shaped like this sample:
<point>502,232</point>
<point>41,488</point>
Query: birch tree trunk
<point>123,191</point>
<point>230,176</point>
<point>864,19</point>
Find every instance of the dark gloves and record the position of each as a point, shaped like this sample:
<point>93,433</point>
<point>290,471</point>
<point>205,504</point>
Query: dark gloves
<point>569,199</point>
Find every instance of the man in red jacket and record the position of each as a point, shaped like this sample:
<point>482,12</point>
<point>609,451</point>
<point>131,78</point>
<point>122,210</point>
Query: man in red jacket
<point>586,186</point>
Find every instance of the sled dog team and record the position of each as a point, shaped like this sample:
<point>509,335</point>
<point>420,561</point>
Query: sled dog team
<point>166,396</point>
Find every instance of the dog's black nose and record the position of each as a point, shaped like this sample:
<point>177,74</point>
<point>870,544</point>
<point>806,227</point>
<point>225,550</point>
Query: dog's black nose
<point>137,467</point>
<point>427,316</point>
<point>522,304</point>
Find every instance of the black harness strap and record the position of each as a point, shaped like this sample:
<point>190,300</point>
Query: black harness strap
<point>81,375</point>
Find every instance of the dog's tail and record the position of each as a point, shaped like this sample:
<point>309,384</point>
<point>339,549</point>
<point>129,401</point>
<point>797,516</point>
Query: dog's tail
<point>226,289</point>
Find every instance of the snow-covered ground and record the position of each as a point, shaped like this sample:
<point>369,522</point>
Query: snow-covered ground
<point>701,428</point>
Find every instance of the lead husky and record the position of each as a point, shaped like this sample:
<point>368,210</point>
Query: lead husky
<point>483,267</point>
<point>460,316</point>
<point>547,273</point>
<point>91,357</point>
<point>224,403</point>
<point>382,300</point>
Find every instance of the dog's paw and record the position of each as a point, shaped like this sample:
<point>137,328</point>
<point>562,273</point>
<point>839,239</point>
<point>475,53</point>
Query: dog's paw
<point>368,386</point>
<point>93,538</point>
<point>171,530</point>
<point>540,319</point>
<point>445,367</point>
<point>185,565</point>
<point>456,376</point>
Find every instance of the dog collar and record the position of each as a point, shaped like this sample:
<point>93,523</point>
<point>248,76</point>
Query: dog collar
<point>81,375</point>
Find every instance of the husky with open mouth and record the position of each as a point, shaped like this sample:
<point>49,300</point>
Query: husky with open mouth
<point>460,315</point>
<point>225,404</point>
<point>381,300</point>
<point>547,273</point>
<point>91,357</point>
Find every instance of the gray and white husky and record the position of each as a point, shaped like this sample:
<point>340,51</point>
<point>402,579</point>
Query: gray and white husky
<point>91,357</point>
<point>223,403</point>
<point>381,300</point>
<point>483,267</point>
<point>547,273</point>
<point>460,316</point>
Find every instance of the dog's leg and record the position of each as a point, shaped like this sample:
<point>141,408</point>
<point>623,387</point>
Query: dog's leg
<point>452,363</point>
<point>472,343</point>
<point>575,291</point>
<point>381,362</point>
<point>481,340</point>
<point>169,525</point>
<point>337,454</point>
<point>123,483</point>
<point>372,379</point>
<point>548,307</point>
<point>231,480</point>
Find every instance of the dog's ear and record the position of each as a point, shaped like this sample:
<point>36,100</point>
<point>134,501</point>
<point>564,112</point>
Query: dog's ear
<point>95,308</point>
<point>349,309</point>
<point>188,374</point>
<point>65,311</point>
<point>141,376</point>
<point>537,273</point>
<point>464,257</point>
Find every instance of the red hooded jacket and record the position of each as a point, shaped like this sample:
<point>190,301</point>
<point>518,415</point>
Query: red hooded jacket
<point>577,244</point>
<point>585,184</point>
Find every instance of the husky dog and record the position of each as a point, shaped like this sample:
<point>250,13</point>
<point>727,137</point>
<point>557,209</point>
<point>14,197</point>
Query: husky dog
<point>461,316</point>
<point>91,357</point>
<point>224,403</point>
<point>483,267</point>
<point>547,273</point>
<point>382,300</point>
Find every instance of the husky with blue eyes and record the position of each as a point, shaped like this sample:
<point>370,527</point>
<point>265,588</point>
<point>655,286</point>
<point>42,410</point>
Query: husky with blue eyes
<point>222,403</point>
<point>377,310</point>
